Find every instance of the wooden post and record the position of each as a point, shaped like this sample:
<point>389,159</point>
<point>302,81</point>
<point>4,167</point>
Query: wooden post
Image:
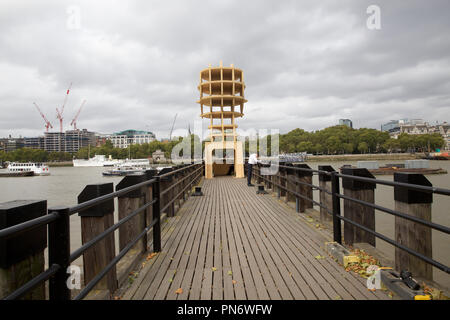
<point>165,183</point>
<point>127,204</point>
<point>277,180</point>
<point>184,184</point>
<point>411,234</point>
<point>267,182</point>
<point>94,221</point>
<point>22,256</point>
<point>149,174</point>
<point>304,190</point>
<point>175,178</point>
<point>325,198</point>
<point>259,178</point>
<point>356,212</point>
<point>282,180</point>
<point>291,184</point>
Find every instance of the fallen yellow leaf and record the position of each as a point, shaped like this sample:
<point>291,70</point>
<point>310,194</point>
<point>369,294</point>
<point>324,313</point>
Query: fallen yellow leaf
<point>179,291</point>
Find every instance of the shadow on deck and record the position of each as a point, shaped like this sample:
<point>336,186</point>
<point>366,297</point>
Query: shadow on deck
<point>234,244</point>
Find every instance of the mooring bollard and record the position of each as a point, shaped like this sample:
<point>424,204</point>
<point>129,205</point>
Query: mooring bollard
<point>326,199</point>
<point>304,190</point>
<point>128,203</point>
<point>356,212</point>
<point>94,221</point>
<point>411,234</point>
<point>22,256</point>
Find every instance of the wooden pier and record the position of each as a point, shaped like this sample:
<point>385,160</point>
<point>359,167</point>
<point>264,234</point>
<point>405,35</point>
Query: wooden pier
<point>228,241</point>
<point>232,243</point>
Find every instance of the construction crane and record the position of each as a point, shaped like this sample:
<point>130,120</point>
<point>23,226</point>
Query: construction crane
<point>74,120</point>
<point>60,113</point>
<point>171,129</point>
<point>47,123</point>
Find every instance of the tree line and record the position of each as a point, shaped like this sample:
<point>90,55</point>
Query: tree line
<point>332,140</point>
<point>345,140</point>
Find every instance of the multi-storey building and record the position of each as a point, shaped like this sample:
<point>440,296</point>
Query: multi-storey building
<point>346,122</point>
<point>418,126</point>
<point>34,143</point>
<point>11,144</point>
<point>77,139</point>
<point>69,141</point>
<point>129,137</point>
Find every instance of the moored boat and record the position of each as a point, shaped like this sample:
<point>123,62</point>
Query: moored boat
<point>98,160</point>
<point>122,171</point>
<point>38,169</point>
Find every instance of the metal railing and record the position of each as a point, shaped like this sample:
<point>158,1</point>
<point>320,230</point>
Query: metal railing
<point>58,222</point>
<point>335,209</point>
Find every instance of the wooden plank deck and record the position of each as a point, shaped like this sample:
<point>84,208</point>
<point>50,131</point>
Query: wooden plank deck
<point>234,244</point>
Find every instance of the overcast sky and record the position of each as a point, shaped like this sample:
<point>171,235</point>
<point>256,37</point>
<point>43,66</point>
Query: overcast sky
<point>306,63</point>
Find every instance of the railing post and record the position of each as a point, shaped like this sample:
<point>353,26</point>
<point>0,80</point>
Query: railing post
<point>409,233</point>
<point>157,215</point>
<point>336,208</point>
<point>356,212</point>
<point>94,221</point>
<point>59,253</point>
<point>326,199</point>
<point>22,256</point>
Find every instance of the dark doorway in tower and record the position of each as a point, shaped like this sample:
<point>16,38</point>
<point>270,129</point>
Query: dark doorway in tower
<point>223,162</point>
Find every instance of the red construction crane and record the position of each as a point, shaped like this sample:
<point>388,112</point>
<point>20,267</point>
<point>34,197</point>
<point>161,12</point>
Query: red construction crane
<point>60,113</point>
<point>74,120</point>
<point>47,123</point>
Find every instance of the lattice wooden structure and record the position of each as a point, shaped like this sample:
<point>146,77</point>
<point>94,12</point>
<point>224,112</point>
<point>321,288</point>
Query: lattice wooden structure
<point>222,101</point>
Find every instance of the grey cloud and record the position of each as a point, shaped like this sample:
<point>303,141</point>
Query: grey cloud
<point>306,64</point>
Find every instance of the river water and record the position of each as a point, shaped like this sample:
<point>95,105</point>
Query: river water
<point>65,183</point>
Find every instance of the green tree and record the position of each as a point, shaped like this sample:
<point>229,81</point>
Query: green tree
<point>363,147</point>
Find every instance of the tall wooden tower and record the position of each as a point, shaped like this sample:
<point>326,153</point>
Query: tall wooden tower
<point>222,101</point>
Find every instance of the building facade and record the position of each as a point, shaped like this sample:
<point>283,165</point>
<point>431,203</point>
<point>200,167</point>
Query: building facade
<point>35,143</point>
<point>69,141</point>
<point>419,126</point>
<point>11,144</point>
<point>129,137</point>
<point>346,122</point>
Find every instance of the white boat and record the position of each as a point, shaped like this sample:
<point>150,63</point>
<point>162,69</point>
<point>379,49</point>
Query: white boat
<point>39,169</point>
<point>136,162</point>
<point>123,170</point>
<point>98,160</point>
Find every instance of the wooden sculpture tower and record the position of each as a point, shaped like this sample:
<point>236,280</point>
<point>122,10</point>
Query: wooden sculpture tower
<point>222,101</point>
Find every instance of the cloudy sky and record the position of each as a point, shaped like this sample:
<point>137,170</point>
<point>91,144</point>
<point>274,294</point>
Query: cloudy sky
<point>306,63</point>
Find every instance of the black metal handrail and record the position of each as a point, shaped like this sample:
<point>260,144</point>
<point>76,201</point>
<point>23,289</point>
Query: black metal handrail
<point>59,235</point>
<point>336,196</point>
